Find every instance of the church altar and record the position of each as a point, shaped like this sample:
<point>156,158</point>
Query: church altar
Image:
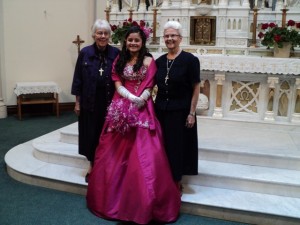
<point>240,78</point>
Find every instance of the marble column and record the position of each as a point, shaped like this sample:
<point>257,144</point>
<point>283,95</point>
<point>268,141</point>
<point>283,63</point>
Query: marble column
<point>218,110</point>
<point>296,114</point>
<point>185,3</point>
<point>269,114</point>
<point>115,6</point>
<point>223,2</point>
<point>3,108</point>
<point>245,3</point>
<point>142,6</point>
<point>165,3</point>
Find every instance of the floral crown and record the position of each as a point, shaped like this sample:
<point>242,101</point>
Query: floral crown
<point>119,31</point>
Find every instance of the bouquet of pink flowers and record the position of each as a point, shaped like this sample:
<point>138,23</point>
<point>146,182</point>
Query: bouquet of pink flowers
<point>119,31</point>
<point>121,115</point>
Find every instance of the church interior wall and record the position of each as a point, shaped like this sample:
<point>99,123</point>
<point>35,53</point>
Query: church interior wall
<point>36,42</point>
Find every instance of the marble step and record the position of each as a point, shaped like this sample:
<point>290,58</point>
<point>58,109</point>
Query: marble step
<point>49,148</point>
<point>241,206</point>
<point>69,134</point>
<point>257,179</point>
<point>251,143</point>
<point>23,166</point>
<point>211,173</point>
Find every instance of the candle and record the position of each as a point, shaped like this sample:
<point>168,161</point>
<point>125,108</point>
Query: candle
<point>285,3</point>
<point>130,3</point>
<point>107,4</point>
<point>255,4</point>
<point>154,3</point>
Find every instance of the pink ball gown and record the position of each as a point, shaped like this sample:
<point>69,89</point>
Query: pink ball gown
<point>131,178</point>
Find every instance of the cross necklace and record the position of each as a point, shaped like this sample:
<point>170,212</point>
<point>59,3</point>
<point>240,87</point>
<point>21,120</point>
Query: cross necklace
<point>102,60</point>
<point>101,70</point>
<point>169,68</point>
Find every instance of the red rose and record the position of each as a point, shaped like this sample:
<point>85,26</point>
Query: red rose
<point>261,35</point>
<point>291,23</point>
<point>142,23</point>
<point>134,23</point>
<point>125,23</point>
<point>264,26</point>
<point>298,25</point>
<point>277,38</point>
<point>114,27</point>
<point>129,20</point>
<point>272,25</point>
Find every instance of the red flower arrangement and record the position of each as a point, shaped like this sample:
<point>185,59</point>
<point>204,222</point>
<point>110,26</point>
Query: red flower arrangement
<point>273,34</point>
<point>120,30</point>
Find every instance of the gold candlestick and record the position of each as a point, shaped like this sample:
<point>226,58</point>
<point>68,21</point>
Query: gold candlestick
<point>130,12</point>
<point>107,12</point>
<point>154,39</point>
<point>255,10</point>
<point>283,21</point>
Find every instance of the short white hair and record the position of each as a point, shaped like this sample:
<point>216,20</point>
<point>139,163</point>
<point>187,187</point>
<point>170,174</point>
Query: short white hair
<point>174,25</point>
<point>101,24</point>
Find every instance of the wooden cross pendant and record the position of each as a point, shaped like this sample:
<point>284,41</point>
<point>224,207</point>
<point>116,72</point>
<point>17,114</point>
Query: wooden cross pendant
<point>101,71</point>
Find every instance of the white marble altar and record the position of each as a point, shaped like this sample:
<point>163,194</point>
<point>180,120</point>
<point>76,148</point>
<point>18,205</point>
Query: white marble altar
<point>241,70</point>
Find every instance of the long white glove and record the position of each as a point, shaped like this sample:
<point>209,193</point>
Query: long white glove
<point>145,95</point>
<point>126,94</point>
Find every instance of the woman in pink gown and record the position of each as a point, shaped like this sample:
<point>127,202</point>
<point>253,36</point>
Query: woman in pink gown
<point>131,178</point>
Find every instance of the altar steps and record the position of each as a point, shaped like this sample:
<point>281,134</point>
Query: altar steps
<point>244,174</point>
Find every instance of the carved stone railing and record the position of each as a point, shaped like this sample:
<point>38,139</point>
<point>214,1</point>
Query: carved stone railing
<point>250,88</point>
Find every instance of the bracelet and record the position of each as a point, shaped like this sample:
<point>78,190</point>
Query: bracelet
<point>192,114</point>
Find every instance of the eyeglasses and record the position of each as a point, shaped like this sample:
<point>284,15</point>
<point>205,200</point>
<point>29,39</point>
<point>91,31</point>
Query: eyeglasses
<point>100,33</point>
<point>172,36</point>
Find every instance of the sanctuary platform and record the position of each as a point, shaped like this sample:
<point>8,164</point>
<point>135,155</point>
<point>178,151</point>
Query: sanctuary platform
<point>248,171</point>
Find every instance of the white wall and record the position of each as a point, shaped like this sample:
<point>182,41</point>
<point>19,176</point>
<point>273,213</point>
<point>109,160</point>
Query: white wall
<point>36,41</point>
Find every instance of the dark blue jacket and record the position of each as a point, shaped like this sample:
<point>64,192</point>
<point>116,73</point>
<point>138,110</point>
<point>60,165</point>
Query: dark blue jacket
<point>86,75</point>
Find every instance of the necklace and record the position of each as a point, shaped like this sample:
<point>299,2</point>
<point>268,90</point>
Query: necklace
<point>102,63</point>
<point>101,70</point>
<point>169,68</point>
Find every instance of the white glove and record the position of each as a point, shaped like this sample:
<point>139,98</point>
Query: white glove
<point>145,95</point>
<point>126,94</point>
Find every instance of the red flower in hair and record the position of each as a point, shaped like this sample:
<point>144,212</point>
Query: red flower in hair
<point>120,30</point>
<point>142,23</point>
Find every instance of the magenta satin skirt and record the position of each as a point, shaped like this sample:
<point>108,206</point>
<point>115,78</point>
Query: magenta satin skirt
<point>131,178</point>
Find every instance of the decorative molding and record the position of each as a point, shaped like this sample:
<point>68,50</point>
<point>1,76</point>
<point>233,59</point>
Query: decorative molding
<point>250,64</point>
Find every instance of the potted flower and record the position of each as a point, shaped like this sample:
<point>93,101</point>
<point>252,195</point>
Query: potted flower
<point>274,36</point>
<point>120,30</point>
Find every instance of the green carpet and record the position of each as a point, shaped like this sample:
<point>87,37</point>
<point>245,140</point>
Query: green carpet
<point>22,204</point>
